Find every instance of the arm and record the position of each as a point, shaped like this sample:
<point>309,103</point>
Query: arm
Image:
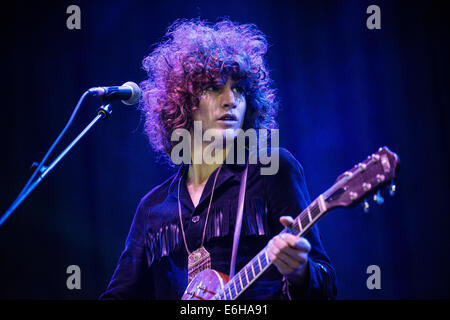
<point>130,276</point>
<point>310,275</point>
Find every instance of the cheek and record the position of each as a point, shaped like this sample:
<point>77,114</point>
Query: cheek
<point>201,111</point>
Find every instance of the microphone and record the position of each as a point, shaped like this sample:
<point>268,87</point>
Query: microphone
<point>129,93</point>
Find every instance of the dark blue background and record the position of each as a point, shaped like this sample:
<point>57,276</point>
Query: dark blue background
<point>345,91</point>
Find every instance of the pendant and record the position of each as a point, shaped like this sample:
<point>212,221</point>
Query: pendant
<point>198,261</point>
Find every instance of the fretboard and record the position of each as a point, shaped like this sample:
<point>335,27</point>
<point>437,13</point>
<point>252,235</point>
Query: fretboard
<point>261,262</point>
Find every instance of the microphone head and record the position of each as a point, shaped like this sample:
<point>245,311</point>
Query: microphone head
<point>135,93</point>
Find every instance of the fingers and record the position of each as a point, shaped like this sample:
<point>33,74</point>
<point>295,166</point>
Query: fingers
<point>288,252</point>
<point>286,221</point>
<point>292,243</point>
<point>282,266</point>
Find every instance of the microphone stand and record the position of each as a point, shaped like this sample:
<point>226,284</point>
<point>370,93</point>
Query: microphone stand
<point>103,112</point>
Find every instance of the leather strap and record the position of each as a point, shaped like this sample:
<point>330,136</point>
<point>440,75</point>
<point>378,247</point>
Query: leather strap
<point>239,214</point>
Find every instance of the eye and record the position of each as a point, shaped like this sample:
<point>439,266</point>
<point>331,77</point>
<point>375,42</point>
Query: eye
<point>238,89</point>
<point>210,87</point>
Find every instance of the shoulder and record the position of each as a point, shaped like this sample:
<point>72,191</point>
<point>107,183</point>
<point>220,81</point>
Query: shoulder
<point>157,195</point>
<point>288,161</point>
<point>281,163</point>
<point>287,189</point>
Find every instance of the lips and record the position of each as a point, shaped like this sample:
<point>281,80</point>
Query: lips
<point>229,117</point>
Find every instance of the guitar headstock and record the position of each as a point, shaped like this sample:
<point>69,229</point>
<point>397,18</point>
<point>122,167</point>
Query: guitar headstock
<point>364,179</point>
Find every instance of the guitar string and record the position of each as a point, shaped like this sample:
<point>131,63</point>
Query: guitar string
<point>256,264</point>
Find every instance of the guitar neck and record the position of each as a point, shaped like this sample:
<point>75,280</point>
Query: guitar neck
<point>351,187</point>
<point>261,262</point>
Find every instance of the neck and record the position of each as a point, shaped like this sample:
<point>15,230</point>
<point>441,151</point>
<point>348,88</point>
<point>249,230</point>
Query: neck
<point>199,173</point>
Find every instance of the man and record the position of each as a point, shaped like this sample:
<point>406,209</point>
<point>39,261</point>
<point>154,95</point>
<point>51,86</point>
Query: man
<point>216,77</point>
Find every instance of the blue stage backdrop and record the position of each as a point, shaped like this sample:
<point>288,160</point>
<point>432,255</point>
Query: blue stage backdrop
<point>345,91</point>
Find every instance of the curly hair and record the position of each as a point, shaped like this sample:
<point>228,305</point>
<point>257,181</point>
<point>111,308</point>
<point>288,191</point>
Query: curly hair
<point>192,54</point>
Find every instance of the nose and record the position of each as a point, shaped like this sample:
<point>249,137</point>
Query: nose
<point>228,98</point>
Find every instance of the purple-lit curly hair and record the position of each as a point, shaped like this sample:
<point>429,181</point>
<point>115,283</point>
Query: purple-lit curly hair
<point>192,54</point>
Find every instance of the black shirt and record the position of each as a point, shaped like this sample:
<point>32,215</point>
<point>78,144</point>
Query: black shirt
<point>153,264</point>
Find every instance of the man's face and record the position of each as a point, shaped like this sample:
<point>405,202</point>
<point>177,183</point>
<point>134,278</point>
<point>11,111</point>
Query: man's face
<point>222,107</point>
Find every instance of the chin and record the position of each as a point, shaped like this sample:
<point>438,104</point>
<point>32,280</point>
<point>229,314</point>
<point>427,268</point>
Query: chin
<point>231,133</point>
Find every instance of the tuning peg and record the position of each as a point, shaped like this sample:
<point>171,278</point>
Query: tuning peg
<point>366,206</point>
<point>378,198</point>
<point>392,188</point>
<point>362,166</point>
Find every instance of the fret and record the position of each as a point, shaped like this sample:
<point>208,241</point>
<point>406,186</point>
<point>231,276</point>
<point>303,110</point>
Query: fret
<point>238,285</point>
<point>227,294</point>
<point>266,257</point>
<point>232,291</point>
<point>315,210</point>
<point>231,295</point>
<point>246,275</point>
<point>300,229</point>
<point>305,221</point>
<point>262,263</point>
<point>321,202</point>
<point>309,213</point>
<point>252,273</point>
<point>256,267</point>
<point>243,278</point>
<point>259,263</point>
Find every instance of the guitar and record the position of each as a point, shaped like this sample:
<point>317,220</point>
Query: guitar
<point>353,186</point>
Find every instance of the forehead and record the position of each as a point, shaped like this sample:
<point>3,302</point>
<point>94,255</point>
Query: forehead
<point>225,81</point>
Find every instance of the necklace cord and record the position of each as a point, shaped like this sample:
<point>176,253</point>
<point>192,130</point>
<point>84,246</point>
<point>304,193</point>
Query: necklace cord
<point>207,214</point>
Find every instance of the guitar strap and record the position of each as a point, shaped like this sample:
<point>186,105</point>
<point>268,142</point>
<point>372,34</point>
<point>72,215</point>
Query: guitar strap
<point>239,214</point>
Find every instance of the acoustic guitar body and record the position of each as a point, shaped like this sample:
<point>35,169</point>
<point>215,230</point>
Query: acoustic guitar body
<point>205,285</point>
